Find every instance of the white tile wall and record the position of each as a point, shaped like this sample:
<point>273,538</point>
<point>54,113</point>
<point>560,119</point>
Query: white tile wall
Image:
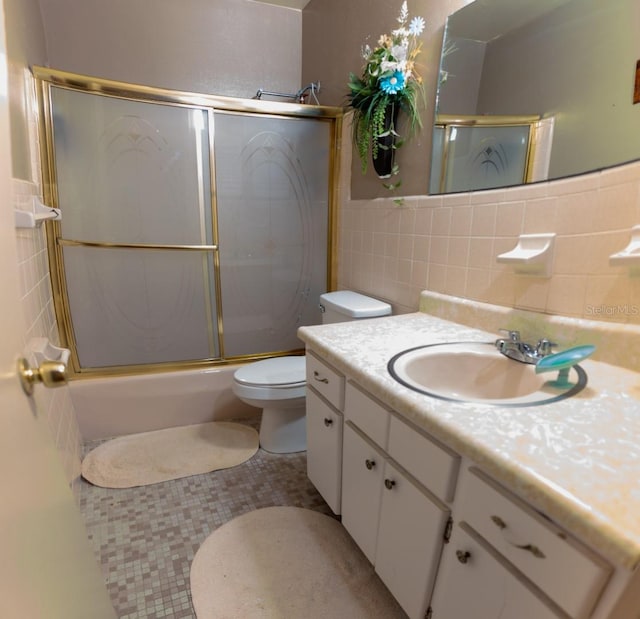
<point>37,302</point>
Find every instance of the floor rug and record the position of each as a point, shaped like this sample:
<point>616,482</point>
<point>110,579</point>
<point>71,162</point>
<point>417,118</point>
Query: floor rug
<point>286,563</point>
<point>162,455</point>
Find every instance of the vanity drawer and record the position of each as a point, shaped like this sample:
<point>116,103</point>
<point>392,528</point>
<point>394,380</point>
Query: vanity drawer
<point>431,463</point>
<point>367,414</point>
<point>326,381</point>
<point>568,572</point>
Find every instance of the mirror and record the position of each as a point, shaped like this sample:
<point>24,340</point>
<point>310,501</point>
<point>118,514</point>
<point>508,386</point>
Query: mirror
<point>565,69</point>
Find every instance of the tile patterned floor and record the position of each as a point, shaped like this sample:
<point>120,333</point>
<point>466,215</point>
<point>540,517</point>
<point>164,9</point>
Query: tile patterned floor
<point>145,538</point>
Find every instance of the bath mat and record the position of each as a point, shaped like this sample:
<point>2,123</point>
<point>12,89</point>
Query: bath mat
<point>286,563</point>
<point>161,455</point>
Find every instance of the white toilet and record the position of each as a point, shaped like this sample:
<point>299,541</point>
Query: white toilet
<point>277,385</point>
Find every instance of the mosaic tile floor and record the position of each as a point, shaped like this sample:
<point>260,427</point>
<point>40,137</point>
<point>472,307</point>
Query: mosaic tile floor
<point>145,538</point>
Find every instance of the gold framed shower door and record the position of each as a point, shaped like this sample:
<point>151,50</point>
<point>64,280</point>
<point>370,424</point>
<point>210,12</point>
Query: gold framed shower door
<point>47,78</point>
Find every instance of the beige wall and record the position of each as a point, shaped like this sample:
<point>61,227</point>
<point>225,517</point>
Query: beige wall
<point>449,244</point>
<point>223,47</point>
<point>25,46</point>
<point>585,53</point>
<point>334,32</point>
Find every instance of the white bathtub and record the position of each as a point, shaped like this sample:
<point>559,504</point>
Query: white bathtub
<point>113,406</point>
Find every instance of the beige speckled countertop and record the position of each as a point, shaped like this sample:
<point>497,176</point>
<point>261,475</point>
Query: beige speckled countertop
<point>577,460</point>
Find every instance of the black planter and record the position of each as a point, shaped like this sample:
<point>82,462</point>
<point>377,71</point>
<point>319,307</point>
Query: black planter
<point>383,161</point>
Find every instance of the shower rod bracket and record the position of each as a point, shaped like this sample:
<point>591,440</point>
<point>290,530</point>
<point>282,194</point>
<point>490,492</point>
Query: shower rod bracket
<point>300,96</point>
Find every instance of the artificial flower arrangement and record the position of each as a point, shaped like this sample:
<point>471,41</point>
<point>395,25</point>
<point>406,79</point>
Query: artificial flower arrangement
<point>389,84</point>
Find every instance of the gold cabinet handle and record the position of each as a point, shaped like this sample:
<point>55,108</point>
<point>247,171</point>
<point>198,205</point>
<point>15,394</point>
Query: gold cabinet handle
<point>389,484</point>
<point>532,548</point>
<point>50,374</point>
<point>369,463</point>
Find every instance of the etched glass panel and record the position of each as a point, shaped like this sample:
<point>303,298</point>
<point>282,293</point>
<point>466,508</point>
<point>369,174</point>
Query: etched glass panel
<point>133,306</point>
<point>273,209</point>
<point>486,157</point>
<point>131,171</point>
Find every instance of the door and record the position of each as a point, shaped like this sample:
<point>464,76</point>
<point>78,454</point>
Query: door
<point>474,581</point>
<point>410,538</point>
<point>362,479</point>
<point>324,449</point>
<point>47,568</point>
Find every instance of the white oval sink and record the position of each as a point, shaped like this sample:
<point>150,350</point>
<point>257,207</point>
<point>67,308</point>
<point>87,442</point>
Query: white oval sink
<point>478,372</point>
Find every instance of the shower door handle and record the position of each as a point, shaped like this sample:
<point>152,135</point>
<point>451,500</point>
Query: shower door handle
<point>50,374</point>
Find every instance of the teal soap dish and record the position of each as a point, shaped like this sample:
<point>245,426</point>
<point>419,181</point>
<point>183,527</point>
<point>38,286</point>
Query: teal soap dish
<point>562,362</point>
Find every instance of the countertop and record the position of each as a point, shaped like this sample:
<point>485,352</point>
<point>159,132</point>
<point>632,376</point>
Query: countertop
<point>576,460</point>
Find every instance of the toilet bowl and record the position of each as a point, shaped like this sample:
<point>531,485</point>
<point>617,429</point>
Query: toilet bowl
<point>278,385</point>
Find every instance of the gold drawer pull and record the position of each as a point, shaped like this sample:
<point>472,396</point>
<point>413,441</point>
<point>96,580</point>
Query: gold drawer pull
<point>316,376</point>
<point>533,549</point>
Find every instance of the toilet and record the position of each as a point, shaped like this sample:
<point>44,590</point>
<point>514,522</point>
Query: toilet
<point>278,385</point>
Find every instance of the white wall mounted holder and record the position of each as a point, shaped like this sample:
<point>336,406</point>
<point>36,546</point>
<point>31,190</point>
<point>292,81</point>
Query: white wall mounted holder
<point>630,255</point>
<point>39,212</point>
<point>533,255</point>
<point>40,349</point>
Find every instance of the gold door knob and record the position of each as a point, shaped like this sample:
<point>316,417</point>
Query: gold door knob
<point>50,374</point>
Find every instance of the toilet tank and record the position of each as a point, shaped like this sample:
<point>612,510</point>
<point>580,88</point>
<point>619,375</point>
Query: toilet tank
<point>345,305</point>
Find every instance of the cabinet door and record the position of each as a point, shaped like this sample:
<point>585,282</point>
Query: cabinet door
<point>362,470</point>
<point>324,449</point>
<point>410,538</point>
<point>475,582</point>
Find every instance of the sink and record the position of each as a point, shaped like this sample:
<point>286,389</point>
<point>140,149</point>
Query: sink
<point>477,372</point>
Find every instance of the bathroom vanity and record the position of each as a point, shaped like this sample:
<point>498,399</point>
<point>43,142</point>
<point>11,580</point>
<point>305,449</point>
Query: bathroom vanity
<point>470,510</point>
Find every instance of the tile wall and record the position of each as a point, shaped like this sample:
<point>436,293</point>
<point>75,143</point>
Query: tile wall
<point>449,244</point>
<point>37,302</point>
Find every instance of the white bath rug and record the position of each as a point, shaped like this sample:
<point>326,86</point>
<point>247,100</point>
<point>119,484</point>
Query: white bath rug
<point>286,563</point>
<point>161,455</point>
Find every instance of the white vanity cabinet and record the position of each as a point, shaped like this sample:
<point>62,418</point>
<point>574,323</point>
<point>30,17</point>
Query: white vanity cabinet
<point>397,521</point>
<point>513,561</point>
<point>325,401</point>
<point>401,493</point>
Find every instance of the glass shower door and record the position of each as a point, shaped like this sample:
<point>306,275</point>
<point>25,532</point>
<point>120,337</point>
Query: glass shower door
<point>134,186</point>
<point>272,195</point>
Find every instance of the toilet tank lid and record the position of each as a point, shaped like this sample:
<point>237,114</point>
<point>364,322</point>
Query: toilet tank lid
<point>354,304</point>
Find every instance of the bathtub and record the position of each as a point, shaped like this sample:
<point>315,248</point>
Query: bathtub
<point>113,406</point>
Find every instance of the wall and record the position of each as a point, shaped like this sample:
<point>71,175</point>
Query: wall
<point>334,32</point>
<point>585,53</point>
<point>223,47</point>
<point>449,244</point>
<point>25,43</point>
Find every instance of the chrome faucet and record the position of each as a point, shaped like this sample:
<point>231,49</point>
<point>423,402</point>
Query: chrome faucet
<point>514,348</point>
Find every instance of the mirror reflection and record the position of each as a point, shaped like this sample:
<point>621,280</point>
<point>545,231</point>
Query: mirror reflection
<point>535,89</point>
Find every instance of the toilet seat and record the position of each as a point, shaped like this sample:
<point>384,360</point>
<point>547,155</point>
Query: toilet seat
<point>276,379</point>
<point>278,372</point>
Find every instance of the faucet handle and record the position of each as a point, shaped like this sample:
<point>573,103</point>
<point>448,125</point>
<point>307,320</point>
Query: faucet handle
<point>514,336</point>
<point>544,347</point>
